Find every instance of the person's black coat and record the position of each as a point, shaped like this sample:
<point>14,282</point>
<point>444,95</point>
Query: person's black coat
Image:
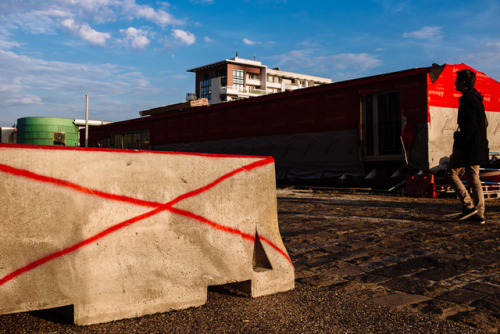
<point>472,123</point>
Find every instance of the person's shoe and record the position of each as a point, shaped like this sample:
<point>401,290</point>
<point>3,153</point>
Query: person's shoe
<point>466,213</point>
<point>476,219</point>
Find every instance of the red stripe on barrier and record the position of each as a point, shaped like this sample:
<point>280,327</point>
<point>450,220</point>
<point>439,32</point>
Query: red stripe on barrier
<point>76,246</point>
<point>212,224</point>
<point>276,248</point>
<point>159,208</point>
<point>247,168</point>
<point>230,230</point>
<point>127,151</point>
<point>47,179</point>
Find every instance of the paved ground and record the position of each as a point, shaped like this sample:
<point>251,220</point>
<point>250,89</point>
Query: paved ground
<point>397,251</point>
<point>364,263</point>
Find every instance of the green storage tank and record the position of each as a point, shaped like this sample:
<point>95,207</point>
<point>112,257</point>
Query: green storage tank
<point>47,131</point>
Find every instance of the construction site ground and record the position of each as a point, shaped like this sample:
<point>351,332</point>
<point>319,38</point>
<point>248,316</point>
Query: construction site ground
<point>396,251</point>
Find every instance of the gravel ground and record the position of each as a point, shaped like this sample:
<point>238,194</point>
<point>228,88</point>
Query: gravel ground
<point>304,310</point>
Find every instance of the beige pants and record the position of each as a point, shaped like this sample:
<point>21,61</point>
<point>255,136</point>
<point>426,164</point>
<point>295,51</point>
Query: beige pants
<point>472,176</point>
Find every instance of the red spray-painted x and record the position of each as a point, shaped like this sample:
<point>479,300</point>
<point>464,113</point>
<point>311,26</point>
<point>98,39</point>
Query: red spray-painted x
<point>158,207</point>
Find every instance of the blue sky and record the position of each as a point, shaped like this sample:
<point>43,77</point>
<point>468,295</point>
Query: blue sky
<point>132,55</point>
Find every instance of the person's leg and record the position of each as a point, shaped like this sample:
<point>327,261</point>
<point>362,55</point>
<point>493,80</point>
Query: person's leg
<point>472,176</point>
<point>453,176</point>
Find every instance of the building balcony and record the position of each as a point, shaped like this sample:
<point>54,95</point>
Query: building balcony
<point>283,86</point>
<point>291,87</point>
<point>246,91</point>
<point>253,82</point>
<point>274,84</point>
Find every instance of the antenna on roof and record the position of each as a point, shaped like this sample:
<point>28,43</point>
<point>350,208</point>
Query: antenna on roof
<point>254,55</point>
<point>236,54</point>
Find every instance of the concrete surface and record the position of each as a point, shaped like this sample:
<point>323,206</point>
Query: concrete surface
<point>120,234</point>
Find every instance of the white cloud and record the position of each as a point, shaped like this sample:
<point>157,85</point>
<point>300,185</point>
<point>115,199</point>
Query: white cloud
<point>33,86</point>
<point>22,73</point>
<point>304,61</point>
<point>85,19</point>
<point>6,45</point>
<point>159,17</point>
<point>358,61</point>
<point>37,21</point>
<point>208,39</point>
<point>493,45</point>
<point>52,12</point>
<point>428,32</point>
<point>24,100</point>
<point>484,56</point>
<point>183,36</point>
<point>85,32</point>
<point>15,6</point>
<point>179,76</point>
<point>248,42</point>
<point>295,58</point>
<point>89,5</point>
<point>136,38</point>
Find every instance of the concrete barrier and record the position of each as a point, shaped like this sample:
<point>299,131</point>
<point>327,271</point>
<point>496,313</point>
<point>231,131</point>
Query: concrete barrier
<point>120,234</point>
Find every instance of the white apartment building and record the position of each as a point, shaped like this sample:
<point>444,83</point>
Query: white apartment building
<point>238,78</point>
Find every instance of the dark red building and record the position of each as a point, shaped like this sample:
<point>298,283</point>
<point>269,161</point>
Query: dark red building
<point>349,128</point>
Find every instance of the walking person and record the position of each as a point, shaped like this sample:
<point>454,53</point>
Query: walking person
<point>470,148</point>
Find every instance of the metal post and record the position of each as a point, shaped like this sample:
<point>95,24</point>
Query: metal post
<point>86,121</point>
